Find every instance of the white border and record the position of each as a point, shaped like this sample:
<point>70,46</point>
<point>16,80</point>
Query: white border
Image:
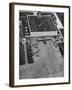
<point>16,45</point>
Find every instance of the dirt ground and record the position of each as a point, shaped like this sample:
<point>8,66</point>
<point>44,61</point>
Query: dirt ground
<point>49,63</point>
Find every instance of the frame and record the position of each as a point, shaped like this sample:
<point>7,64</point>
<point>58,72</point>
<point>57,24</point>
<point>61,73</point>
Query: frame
<point>39,44</point>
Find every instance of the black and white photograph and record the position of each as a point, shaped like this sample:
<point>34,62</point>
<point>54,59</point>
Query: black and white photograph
<point>39,44</point>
